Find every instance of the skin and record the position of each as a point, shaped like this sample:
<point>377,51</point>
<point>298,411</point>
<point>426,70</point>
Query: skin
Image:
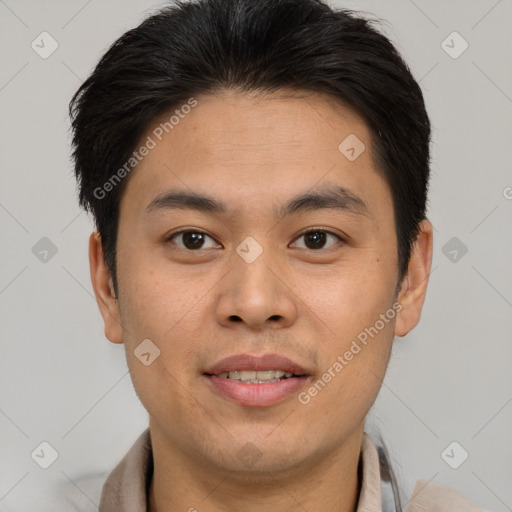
<point>254,154</point>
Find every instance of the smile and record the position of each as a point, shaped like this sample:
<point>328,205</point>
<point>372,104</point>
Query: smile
<point>256,377</point>
<point>256,381</point>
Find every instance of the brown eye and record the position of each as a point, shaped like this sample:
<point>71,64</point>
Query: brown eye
<point>316,239</point>
<point>190,240</point>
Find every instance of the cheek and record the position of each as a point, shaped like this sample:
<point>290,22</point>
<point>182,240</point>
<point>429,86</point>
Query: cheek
<point>355,306</point>
<point>169,310</point>
<point>158,302</point>
<point>353,368</point>
<point>349,297</point>
<point>165,311</point>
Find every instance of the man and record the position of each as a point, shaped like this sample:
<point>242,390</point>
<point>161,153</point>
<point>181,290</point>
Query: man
<point>258,174</point>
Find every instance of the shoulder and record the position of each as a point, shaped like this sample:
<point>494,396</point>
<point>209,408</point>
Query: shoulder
<point>432,497</point>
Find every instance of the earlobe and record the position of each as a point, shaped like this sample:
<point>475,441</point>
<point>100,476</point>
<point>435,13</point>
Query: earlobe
<point>104,290</point>
<point>414,287</point>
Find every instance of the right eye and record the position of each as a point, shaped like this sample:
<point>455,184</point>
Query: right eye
<point>191,240</point>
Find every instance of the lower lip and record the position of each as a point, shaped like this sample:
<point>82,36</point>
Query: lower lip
<point>257,395</point>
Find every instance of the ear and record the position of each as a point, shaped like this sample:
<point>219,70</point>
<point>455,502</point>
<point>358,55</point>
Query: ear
<point>414,286</point>
<point>104,290</point>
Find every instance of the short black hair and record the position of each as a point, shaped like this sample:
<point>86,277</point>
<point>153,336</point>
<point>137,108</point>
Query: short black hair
<point>198,47</point>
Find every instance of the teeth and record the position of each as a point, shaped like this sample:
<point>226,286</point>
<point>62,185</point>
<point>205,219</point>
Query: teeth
<point>245,375</point>
<point>266,375</point>
<point>256,377</point>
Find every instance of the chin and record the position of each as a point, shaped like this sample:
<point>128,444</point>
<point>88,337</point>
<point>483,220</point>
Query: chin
<point>258,467</point>
<point>253,456</point>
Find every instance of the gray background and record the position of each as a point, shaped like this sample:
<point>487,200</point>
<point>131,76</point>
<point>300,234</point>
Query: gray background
<point>449,380</point>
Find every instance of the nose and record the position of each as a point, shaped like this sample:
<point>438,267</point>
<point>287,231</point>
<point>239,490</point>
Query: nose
<point>257,294</point>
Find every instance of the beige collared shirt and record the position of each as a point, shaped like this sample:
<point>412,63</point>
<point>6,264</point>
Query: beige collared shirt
<point>125,489</point>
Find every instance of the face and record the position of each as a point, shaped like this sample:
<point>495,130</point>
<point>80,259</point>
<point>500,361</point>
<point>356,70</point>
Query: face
<point>288,263</point>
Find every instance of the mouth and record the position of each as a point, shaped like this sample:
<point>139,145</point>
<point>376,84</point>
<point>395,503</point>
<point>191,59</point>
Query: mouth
<point>257,377</point>
<point>256,381</point>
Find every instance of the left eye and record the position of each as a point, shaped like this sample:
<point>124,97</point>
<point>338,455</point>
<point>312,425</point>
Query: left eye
<point>316,239</point>
<point>191,240</point>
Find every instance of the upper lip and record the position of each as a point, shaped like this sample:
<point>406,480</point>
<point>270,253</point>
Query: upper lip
<point>256,363</point>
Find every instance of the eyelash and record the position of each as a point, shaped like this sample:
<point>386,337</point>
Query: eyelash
<point>310,230</point>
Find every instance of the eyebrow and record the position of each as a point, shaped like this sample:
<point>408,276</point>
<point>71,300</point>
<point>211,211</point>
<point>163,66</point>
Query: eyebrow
<point>331,197</point>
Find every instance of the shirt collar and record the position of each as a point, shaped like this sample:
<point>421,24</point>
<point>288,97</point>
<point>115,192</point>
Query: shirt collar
<point>126,487</point>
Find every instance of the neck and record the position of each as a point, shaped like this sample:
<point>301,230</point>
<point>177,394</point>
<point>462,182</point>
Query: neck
<point>329,484</point>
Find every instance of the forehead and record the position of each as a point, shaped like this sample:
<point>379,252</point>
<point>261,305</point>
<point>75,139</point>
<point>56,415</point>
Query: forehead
<point>267,124</point>
<point>254,148</point>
